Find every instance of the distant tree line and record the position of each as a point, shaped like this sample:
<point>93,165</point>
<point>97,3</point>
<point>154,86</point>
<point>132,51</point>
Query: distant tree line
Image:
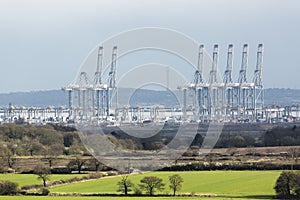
<point>51,141</point>
<point>29,140</point>
<point>282,136</point>
<point>277,136</point>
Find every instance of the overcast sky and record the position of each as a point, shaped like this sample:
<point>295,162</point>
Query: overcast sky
<point>43,43</point>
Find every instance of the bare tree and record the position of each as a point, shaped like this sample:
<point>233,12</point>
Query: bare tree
<point>7,157</point>
<point>78,162</point>
<point>95,162</point>
<point>52,152</point>
<point>175,183</point>
<point>43,173</point>
<point>125,185</point>
<point>294,152</point>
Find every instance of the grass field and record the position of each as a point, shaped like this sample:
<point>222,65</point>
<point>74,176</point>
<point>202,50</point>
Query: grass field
<point>117,198</point>
<point>31,179</point>
<point>250,184</point>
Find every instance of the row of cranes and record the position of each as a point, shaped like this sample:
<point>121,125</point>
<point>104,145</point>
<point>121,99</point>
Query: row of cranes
<point>92,98</point>
<point>226,100</point>
<point>213,99</point>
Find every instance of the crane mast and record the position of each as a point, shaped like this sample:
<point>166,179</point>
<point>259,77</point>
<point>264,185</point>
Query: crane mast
<point>198,77</point>
<point>243,71</point>
<point>228,71</point>
<point>229,87</point>
<point>258,93</point>
<point>82,92</point>
<point>98,84</point>
<point>213,72</point>
<point>113,68</point>
<point>243,87</point>
<point>259,62</point>
<point>111,80</point>
<point>98,73</point>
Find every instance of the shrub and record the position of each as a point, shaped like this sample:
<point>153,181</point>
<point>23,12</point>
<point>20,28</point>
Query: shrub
<point>137,191</point>
<point>29,187</point>
<point>45,191</point>
<point>74,179</point>
<point>60,170</point>
<point>288,184</point>
<point>8,188</point>
<point>94,176</point>
<point>112,173</point>
<point>2,169</point>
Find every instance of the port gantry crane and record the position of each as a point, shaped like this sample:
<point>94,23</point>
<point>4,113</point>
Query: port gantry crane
<point>111,89</point>
<point>98,87</point>
<point>245,96</point>
<point>216,92</point>
<point>69,89</point>
<point>84,89</point>
<point>239,100</point>
<point>90,94</point>
<point>258,93</point>
<point>201,86</point>
<point>77,91</point>
<point>230,88</point>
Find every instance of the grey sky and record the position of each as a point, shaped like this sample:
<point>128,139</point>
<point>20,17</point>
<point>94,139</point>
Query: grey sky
<point>43,43</point>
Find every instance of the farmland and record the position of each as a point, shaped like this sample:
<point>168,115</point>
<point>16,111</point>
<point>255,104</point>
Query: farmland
<point>114,198</point>
<point>221,183</point>
<point>31,179</point>
<point>223,173</point>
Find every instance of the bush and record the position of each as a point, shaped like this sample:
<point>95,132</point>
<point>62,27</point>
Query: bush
<point>45,191</point>
<point>288,185</point>
<point>8,188</point>
<point>112,173</point>
<point>137,191</point>
<point>94,176</point>
<point>2,170</point>
<point>29,187</point>
<point>60,170</point>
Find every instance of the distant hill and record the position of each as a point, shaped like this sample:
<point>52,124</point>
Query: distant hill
<point>35,98</point>
<point>281,96</point>
<point>273,96</point>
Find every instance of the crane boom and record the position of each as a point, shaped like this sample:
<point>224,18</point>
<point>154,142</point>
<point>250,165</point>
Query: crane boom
<point>243,71</point>
<point>97,79</point>
<point>112,73</point>
<point>198,77</point>
<point>259,63</point>
<point>213,72</point>
<point>228,71</point>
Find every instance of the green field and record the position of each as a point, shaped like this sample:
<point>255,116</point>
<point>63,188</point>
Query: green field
<point>31,179</point>
<point>112,198</point>
<point>239,185</point>
<point>243,184</point>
